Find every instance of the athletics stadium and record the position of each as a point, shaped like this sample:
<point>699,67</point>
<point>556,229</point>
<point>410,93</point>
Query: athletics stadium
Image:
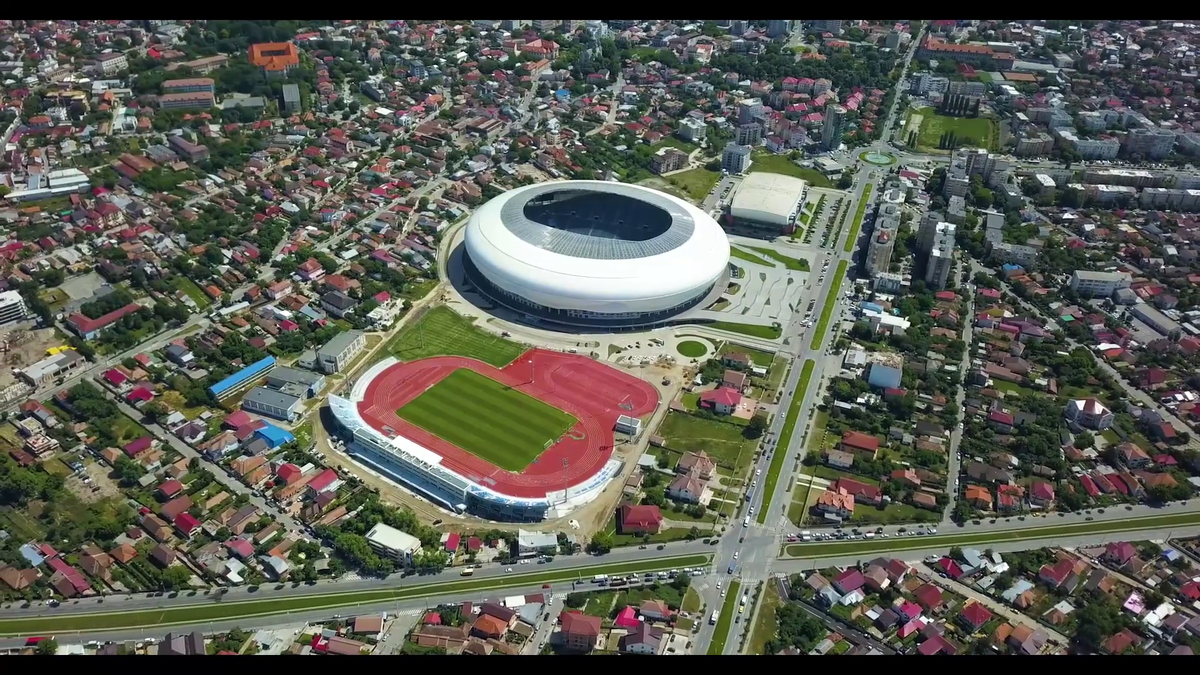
<point>529,441</point>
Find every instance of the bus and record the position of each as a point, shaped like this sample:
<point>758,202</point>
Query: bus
<point>599,578</point>
<point>712,620</point>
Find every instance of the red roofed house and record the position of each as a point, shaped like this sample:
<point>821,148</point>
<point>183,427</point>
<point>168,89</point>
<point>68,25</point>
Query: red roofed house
<point>580,631</point>
<point>170,488</point>
<point>115,377</point>
<point>863,493</point>
<point>1119,552</point>
<point>974,615</point>
<point>1041,494</point>
<point>722,401</point>
<point>88,329</point>
<point>859,443</point>
<point>186,525</point>
<point>138,446</point>
<point>848,581</point>
<point>288,473</point>
<point>323,482</point>
<point>929,597</point>
<point>452,542</point>
<point>639,520</point>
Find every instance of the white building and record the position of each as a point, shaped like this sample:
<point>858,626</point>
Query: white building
<point>341,351</point>
<point>735,158</point>
<point>941,257</point>
<point>692,130</point>
<point>12,307</point>
<point>393,544</point>
<point>1098,284</point>
<point>534,543</point>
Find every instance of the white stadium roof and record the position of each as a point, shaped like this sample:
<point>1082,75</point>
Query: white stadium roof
<point>767,198</point>
<point>568,267</point>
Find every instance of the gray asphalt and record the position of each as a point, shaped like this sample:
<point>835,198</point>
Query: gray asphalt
<point>146,601</point>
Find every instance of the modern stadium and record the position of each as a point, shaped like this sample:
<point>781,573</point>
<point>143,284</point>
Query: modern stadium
<point>594,254</point>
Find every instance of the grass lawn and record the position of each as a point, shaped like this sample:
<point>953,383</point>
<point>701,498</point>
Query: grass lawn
<point>763,332</point>
<point>444,332</point>
<point>692,349</point>
<point>852,240</point>
<point>20,525</point>
<point>673,142</point>
<point>945,541</point>
<point>764,625</point>
<point>417,288</point>
<point>722,441</point>
<point>831,300</point>
<point>1010,387</point>
<point>1111,436</point>
<point>771,163</point>
<point>785,439</point>
<point>721,633</point>
<point>304,435</point>
<point>127,430</point>
<point>691,601</point>
<point>831,474</point>
<point>487,419</point>
<point>599,604</point>
<point>817,432</point>
<point>56,467</point>
<point>760,357</point>
<point>748,257</point>
<point>895,513</point>
<point>695,182</point>
<point>193,291</point>
<point>794,264</point>
<point>176,401</point>
<point>775,374</point>
<point>203,609</point>
<point>978,131</point>
<point>665,592</point>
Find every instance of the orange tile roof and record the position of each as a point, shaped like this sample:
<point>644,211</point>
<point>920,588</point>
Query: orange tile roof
<point>274,56</point>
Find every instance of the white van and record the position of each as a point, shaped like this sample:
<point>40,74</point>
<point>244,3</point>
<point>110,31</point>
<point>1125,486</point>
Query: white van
<point>746,521</point>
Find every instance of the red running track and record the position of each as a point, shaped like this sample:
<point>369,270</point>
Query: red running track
<point>592,392</point>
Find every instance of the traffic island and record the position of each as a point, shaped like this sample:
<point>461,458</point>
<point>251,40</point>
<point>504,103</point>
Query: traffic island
<point>878,158</point>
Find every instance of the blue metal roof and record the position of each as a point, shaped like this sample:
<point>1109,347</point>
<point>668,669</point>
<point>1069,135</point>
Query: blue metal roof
<point>241,376</point>
<point>275,436</point>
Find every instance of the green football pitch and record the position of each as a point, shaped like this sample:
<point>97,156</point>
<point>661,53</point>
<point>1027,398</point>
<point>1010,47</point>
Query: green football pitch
<point>487,419</point>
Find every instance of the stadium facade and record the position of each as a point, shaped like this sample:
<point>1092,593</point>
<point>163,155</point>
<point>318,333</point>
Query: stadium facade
<point>595,254</point>
<point>422,471</point>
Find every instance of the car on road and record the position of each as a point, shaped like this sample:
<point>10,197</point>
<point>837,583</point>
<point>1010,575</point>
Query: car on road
<point>730,571</point>
<point>735,555</point>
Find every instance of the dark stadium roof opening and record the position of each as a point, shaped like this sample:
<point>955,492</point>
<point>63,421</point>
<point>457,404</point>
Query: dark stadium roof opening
<point>617,223</point>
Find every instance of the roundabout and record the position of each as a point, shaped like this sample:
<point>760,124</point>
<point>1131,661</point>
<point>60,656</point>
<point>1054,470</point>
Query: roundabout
<point>878,158</point>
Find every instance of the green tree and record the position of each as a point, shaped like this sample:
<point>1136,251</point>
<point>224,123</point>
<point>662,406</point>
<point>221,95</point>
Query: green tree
<point>176,577</point>
<point>602,542</point>
<point>757,426</point>
<point>47,647</point>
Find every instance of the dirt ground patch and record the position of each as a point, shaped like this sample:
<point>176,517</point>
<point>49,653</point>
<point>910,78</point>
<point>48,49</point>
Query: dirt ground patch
<point>24,347</point>
<point>102,487</point>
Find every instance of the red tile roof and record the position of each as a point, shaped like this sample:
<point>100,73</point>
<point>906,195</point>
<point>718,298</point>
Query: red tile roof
<point>857,439</point>
<point>579,624</point>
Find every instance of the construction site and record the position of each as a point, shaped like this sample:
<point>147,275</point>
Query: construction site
<point>20,347</point>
